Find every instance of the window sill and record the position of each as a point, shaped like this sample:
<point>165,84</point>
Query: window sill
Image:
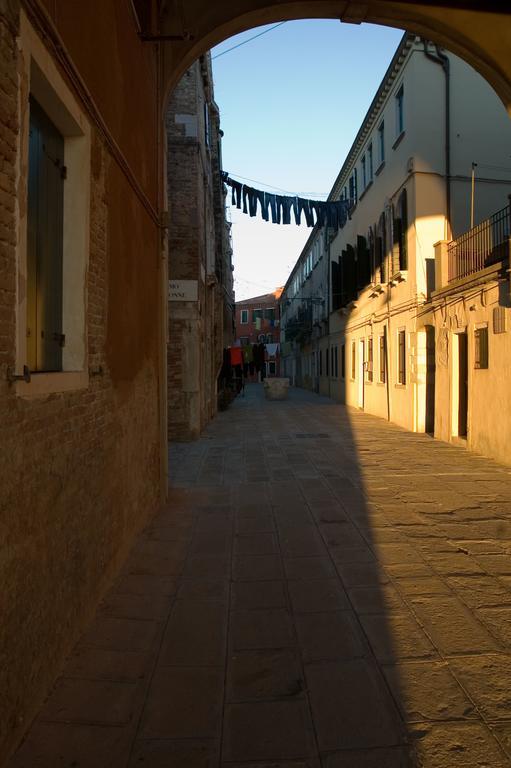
<point>376,290</point>
<point>400,386</point>
<point>380,168</point>
<point>399,140</point>
<point>50,383</point>
<point>399,277</point>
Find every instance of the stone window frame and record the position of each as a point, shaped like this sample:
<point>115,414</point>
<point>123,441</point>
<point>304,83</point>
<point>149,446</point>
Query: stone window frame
<point>40,78</point>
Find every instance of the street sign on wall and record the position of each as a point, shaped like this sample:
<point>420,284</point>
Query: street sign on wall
<point>183,290</point>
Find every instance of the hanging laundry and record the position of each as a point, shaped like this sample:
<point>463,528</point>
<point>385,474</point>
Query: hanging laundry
<point>332,213</point>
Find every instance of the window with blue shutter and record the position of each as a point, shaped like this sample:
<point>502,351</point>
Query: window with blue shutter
<point>46,174</point>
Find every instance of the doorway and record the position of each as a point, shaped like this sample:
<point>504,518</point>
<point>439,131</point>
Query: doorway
<point>460,385</point>
<point>361,373</point>
<point>430,380</point>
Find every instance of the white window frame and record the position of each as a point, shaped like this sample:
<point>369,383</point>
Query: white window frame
<point>400,110</point>
<point>40,77</point>
<point>246,312</point>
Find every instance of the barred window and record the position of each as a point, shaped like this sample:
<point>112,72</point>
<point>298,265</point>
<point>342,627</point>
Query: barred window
<point>481,348</point>
<point>383,364</point>
<point>401,377</point>
<point>370,358</point>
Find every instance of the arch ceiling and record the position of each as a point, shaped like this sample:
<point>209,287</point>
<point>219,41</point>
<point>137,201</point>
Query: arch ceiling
<point>190,27</point>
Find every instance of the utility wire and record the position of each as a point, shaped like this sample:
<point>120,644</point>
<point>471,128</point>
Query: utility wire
<point>247,41</point>
<point>279,189</point>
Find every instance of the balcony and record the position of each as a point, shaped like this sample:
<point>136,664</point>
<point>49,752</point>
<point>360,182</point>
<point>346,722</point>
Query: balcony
<point>480,247</point>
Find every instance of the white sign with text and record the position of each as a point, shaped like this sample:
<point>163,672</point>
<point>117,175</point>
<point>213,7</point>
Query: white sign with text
<point>183,290</point>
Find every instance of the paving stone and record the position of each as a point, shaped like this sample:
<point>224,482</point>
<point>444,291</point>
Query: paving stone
<point>426,690</point>
<point>451,626</point>
<point>351,707</point>
<point>123,606</point>
<point>256,544</point>
<point>379,599</point>
<point>480,591</point>
<point>304,541</point>
<point>195,634</point>
<point>158,566</point>
<point>269,674</point>
<point>495,564</point>
<point>258,594</point>
<point>207,567</point>
<point>422,586</point>
<point>117,634</point>
<point>487,679</point>
<point>208,543</point>
<point>308,568</point>
<point>361,574</point>
<point>455,564</point>
<point>258,568</point>
<point>139,584</point>
<point>456,746</point>
<point>341,536</point>
<point>174,753</point>
<point>274,730</point>
<point>95,702</point>
<point>388,757</point>
<point>409,570</point>
<point>98,664</point>
<point>396,636</point>
<point>62,745</point>
<point>263,523</point>
<point>498,621</point>
<point>311,596</point>
<point>261,629</point>
<point>356,555</point>
<point>210,591</point>
<point>184,703</point>
<point>329,636</point>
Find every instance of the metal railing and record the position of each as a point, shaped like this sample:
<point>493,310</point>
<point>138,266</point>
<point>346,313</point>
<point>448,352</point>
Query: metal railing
<point>480,247</point>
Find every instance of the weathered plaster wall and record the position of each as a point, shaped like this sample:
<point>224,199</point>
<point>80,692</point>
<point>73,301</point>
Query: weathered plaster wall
<point>79,471</point>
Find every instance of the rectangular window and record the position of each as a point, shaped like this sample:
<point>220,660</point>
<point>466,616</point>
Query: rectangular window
<point>46,174</point>
<point>370,163</point>
<point>326,362</point>
<point>244,316</point>
<point>336,360</point>
<point>381,143</point>
<point>343,361</point>
<point>206,124</point>
<point>383,359</point>
<point>401,360</point>
<point>353,360</point>
<point>257,314</point>
<point>332,362</point>
<point>244,341</point>
<point>364,173</point>
<point>320,353</point>
<point>400,118</point>
<point>271,368</point>
<point>269,314</point>
<point>481,348</point>
<point>370,358</point>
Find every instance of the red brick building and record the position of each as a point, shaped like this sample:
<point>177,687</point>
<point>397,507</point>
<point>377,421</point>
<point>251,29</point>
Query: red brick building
<point>258,320</point>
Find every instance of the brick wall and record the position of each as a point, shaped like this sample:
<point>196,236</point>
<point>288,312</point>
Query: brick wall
<point>79,471</point>
<point>198,250</point>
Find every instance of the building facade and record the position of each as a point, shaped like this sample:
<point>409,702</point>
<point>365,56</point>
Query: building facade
<point>258,321</point>
<point>304,316</point>
<point>408,177</point>
<point>201,296</point>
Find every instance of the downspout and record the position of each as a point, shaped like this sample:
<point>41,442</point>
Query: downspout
<point>444,62</point>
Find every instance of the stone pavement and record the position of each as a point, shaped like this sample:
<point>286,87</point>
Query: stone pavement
<point>323,590</point>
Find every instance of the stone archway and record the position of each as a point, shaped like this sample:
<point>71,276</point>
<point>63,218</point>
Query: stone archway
<point>482,38</point>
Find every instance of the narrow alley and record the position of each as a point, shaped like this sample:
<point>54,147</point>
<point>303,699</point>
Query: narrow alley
<point>324,589</point>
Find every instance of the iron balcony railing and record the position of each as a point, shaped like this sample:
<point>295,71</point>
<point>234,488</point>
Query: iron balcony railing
<point>480,247</point>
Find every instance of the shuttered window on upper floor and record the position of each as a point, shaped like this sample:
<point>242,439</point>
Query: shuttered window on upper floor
<point>46,174</point>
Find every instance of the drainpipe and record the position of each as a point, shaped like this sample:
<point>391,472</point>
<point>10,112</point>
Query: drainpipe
<point>443,61</point>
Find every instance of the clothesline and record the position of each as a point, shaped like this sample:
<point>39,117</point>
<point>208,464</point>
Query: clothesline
<point>333,213</point>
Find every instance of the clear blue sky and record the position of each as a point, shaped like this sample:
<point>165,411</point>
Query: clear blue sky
<point>291,103</point>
